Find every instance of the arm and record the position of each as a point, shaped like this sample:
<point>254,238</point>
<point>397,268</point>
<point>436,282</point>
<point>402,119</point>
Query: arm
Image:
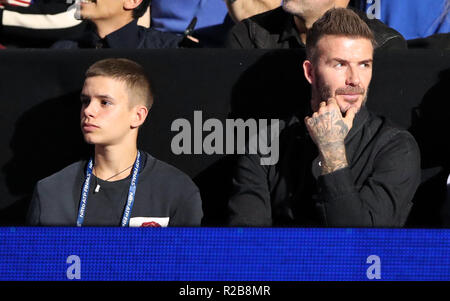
<point>243,9</point>
<point>384,199</point>
<point>39,25</point>
<point>40,16</point>
<point>250,202</point>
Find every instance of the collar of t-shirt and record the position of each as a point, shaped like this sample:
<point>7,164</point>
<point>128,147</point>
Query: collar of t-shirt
<point>106,207</point>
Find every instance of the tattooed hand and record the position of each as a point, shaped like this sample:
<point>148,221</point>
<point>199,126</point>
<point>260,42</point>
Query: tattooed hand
<point>328,129</point>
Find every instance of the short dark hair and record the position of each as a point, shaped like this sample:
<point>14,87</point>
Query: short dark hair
<point>339,22</point>
<point>130,72</point>
<point>140,10</point>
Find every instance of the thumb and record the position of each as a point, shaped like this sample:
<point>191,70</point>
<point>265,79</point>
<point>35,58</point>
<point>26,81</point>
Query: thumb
<point>349,116</point>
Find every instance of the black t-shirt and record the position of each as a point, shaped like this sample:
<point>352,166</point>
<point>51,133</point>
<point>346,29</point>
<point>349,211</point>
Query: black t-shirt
<point>106,207</point>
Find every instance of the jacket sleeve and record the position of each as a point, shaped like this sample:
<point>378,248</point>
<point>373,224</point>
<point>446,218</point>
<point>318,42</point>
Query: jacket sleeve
<point>384,200</point>
<point>40,23</point>
<point>34,211</point>
<point>39,19</point>
<point>250,203</point>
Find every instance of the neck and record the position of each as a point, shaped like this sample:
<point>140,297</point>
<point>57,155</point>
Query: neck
<point>105,27</point>
<point>302,27</point>
<point>112,159</point>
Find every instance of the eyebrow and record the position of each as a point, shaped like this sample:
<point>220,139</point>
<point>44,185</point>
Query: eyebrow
<point>345,61</point>
<point>102,96</point>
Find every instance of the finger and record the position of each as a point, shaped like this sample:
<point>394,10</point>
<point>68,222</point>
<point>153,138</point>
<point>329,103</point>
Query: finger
<point>322,107</point>
<point>349,116</point>
<point>332,104</point>
<point>331,100</point>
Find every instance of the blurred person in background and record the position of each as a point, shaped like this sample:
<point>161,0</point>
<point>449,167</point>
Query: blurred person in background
<point>214,18</point>
<point>286,27</point>
<point>114,24</point>
<point>38,23</point>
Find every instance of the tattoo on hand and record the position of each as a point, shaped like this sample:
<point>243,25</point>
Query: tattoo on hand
<point>328,131</point>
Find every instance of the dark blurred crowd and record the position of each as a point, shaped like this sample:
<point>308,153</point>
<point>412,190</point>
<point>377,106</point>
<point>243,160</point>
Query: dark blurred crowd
<point>210,23</point>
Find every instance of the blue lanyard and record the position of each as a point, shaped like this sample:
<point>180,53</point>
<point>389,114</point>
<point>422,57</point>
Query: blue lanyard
<point>130,198</point>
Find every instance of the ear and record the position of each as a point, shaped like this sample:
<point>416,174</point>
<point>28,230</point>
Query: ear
<point>308,70</point>
<point>131,4</point>
<point>139,115</point>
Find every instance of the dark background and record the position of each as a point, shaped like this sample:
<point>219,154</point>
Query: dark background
<point>39,113</point>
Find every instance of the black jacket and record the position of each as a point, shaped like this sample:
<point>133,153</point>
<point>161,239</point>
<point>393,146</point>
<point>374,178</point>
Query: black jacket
<point>276,29</point>
<point>162,191</point>
<point>130,36</point>
<point>376,188</point>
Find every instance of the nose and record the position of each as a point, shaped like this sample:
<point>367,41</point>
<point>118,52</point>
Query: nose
<point>352,76</point>
<point>89,109</point>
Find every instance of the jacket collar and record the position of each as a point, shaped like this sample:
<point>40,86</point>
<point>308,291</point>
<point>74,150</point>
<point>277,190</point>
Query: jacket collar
<point>359,121</point>
<point>289,31</point>
<point>125,37</point>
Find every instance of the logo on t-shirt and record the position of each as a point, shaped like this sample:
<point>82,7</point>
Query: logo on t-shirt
<point>152,222</point>
<point>151,225</point>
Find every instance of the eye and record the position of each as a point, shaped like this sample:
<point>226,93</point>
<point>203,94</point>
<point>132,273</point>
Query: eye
<point>365,65</point>
<point>106,103</point>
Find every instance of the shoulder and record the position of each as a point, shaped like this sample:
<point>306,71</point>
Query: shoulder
<point>385,36</point>
<point>166,175</point>
<point>392,137</point>
<point>62,177</point>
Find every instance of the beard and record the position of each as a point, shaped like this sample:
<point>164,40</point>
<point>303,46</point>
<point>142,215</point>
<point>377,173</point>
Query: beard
<point>321,91</point>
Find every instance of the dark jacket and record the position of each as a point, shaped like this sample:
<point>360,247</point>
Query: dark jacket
<point>131,36</point>
<point>162,191</point>
<point>376,188</point>
<point>276,29</point>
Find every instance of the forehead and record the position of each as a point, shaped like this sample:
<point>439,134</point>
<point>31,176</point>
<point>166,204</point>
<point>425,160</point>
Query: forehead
<point>348,48</point>
<point>104,84</point>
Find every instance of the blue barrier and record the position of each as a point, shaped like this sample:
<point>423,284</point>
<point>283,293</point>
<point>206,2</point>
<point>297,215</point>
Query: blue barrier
<point>224,254</point>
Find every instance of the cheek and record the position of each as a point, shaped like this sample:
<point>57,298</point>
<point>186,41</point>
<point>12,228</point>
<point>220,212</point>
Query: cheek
<point>367,79</point>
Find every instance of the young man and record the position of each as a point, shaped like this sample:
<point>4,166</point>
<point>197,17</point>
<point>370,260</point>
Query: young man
<point>120,185</point>
<point>287,26</point>
<point>342,166</point>
<point>114,25</point>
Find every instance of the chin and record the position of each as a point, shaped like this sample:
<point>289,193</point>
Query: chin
<point>89,139</point>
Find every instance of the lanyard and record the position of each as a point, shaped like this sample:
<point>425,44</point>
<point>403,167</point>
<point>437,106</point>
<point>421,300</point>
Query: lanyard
<point>130,198</point>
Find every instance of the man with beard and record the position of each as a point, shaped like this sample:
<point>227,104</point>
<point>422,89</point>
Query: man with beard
<point>286,27</point>
<point>342,166</point>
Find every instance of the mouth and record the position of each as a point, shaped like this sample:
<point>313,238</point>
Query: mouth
<point>88,127</point>
<point>88,1</point>
<point>350,97</point>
